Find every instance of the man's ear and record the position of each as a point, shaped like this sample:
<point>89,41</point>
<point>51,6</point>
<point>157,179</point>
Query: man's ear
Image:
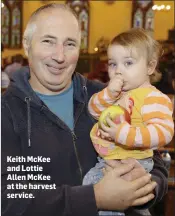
<point>26,46</point>
<point>151,67</point>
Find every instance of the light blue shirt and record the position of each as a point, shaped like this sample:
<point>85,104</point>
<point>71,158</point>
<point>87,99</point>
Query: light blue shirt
<point>61,105</point>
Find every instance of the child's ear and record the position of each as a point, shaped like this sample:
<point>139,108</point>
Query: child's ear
<point>151,67</point>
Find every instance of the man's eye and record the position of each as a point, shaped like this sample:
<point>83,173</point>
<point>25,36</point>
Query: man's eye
<point>128,63</point>
<point>71,44</point>
<point>48,41</point>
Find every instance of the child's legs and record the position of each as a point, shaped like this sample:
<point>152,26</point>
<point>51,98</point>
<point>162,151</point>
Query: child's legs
<point>95,174</point>
<point>147,164</point>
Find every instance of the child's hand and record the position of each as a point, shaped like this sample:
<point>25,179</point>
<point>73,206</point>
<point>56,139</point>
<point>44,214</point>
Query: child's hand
<point>115,85</point>
<point>109,132</point>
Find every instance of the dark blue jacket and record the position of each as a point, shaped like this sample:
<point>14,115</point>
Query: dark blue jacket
<point>29,128</point>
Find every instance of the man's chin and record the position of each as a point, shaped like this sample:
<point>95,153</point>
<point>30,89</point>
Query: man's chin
<point>57,87</point>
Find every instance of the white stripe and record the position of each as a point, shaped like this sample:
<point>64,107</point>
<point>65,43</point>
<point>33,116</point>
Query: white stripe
<point>153,136</point>
<point>166,133</point>
<point>146,109</point>
<point>123,134</point>
<point>107,97</point>
<point>138,138</point>
<point>161,121</point>
<point>158,94</point>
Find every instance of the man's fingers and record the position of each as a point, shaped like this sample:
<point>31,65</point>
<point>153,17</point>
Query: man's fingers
<point>107,168</point>
<point>123,169</point>
<point>141,182</point>
<point>143,200</point>
<point>113,163</point>
<point>147,189</point>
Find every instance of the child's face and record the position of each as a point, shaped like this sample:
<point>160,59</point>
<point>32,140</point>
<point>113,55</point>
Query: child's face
<point>132,66</point>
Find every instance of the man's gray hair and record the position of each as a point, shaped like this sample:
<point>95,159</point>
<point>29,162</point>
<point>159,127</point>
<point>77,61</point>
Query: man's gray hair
<point>31,26</point>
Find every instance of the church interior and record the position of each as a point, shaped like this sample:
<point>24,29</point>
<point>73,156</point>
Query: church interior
<point>100,21</point>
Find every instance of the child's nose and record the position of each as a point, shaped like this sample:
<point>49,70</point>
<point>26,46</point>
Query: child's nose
<point>118,72</point>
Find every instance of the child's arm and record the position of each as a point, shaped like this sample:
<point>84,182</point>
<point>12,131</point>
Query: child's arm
<point>99,102</point>
<point>159,126</point>
<point>105,98</point>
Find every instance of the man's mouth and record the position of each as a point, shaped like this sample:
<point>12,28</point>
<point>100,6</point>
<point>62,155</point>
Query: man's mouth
<point>55,70</point>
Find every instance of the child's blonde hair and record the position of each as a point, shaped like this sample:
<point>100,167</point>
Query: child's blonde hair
<point>139,39</point>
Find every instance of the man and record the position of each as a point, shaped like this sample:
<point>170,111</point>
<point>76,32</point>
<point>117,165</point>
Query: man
<point>45,114</point>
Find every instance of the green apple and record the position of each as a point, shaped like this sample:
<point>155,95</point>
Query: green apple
<point>115,111</point>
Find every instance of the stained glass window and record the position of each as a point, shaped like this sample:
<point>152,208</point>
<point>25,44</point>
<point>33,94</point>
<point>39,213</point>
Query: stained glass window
<point>15,33</point>
<point>5,26</point>
<point>81,8</point>
<point>12,23</point>
<point>149,21</point>
<point>143,15</point>
<point>138,19</point>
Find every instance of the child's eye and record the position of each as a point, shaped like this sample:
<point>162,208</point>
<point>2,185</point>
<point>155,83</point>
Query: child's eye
<point>128,63</point>
<point>111,64</point>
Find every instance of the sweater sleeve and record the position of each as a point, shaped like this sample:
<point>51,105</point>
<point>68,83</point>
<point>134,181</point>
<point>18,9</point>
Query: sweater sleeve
<point>99,102</point>
<point>65,200</point>
<point>158,129</point>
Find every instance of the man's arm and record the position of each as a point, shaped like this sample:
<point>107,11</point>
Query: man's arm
<point>64,200</point>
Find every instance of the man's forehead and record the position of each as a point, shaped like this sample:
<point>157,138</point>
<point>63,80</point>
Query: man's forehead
<point>57,24</point>
<point>56,16</point>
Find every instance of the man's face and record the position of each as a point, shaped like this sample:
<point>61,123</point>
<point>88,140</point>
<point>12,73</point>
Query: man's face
<point>132,67</point>
<point>54,51</point>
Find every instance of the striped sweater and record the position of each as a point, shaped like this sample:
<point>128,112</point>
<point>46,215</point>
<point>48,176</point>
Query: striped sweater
<point>151,117</point>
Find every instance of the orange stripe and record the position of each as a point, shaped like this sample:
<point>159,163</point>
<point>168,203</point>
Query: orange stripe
<point>162,139</point>
<point>161,100</point>
<point>160,115</point>
<point>170,129</point>
<point>131,137</point>
<point>146,138</point>
<point>101,99</point>
<point>93,106</point>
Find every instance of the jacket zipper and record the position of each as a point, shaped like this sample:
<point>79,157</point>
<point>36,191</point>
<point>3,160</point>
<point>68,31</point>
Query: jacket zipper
<point>74,143</point>
<point>74,137</point>
<point>76,153</point>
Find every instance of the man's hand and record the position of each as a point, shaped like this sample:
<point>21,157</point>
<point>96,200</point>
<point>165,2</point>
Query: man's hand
<point>115,85</point>
<point>115,193</point>
<point>137,171</point>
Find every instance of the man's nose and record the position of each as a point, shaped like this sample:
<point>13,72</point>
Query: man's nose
<point>59,54</point>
